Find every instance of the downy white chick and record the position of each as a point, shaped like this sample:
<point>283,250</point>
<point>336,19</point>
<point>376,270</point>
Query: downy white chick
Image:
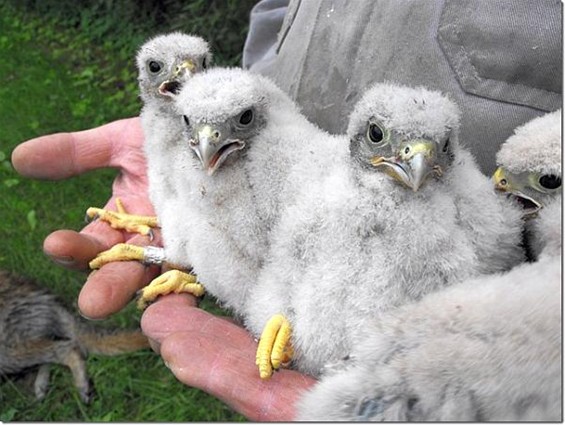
<point>242,136</point>
<point>387,225</point>
<point>165,63</point>
<point>530,172</point>
<point>488,349</point>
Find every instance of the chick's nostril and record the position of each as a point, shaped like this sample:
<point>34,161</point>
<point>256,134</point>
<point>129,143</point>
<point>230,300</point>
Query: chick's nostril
<point>216,134</point>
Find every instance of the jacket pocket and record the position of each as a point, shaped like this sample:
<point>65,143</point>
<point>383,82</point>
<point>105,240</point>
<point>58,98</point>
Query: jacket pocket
<point>506,50</point>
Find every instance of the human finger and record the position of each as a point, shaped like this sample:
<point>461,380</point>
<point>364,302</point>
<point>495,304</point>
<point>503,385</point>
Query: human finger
<point>218,357</point>
<point>172,313</point>
<point>108,236</point>
<point>109,289</point>
<point>62,155</point>
<point>74,250</point>
<point>212,363</point>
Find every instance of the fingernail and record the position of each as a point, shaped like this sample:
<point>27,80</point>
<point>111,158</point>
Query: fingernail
<point>155,346</point>
<point>63,260</point>
<point>92,319</point>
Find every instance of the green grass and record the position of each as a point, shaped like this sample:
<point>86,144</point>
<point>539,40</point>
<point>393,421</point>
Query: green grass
<point>62,77</point>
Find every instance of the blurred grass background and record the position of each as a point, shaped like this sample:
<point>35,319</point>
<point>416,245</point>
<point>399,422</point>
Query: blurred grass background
<point>68,65</point>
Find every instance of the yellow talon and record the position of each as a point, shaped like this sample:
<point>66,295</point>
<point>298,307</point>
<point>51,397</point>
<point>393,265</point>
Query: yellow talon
<point>274,346</point>
<point>119,252</point>
<point>169,282</point>
<point>142,224</point>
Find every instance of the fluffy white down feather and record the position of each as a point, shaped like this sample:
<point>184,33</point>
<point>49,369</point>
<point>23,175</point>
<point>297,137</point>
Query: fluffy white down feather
<point>532,145</point>
<point>161,126</point>
<point>227,216</point>
<point>534,150</point>
<point>486,349</point>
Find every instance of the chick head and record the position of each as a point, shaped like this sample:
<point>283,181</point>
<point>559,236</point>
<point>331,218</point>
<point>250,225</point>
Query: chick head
<point>409,133</point>
<point>530,163</point>
<point>166,61</point>
<point>224,112</point>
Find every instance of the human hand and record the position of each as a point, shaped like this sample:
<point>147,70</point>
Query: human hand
<point>217,356</point>
<point>202,350</point>
<point>63,155</point>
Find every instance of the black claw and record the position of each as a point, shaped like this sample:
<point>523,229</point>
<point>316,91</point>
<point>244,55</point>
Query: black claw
<point>199,299</point>
<point>88,219</point>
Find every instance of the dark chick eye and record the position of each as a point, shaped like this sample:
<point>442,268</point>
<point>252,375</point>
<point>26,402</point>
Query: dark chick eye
<point>186,120</point>
<point>154,67</point>
<point>246,117</point>
<point>375,133</point>
<point>204,64</point>
<point>550,181</point>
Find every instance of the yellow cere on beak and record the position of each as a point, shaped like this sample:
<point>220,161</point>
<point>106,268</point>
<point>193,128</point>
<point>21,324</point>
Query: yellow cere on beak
<point>207,146</point>
<point>186,65</point>
<point>424,147</point>
<point>206,131</point>
<point>418,159</point>
<point>500,180</point>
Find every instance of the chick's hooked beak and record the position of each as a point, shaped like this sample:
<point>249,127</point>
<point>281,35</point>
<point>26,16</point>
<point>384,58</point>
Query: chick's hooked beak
<point>504,182</point>
<point>212,148</point>
<point>182,71</point>
<point>413,163</point>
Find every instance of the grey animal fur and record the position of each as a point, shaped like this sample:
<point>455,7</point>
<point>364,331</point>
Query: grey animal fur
<point>37,331</point>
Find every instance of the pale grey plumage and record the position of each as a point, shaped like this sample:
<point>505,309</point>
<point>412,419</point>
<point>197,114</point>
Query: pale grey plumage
<point>164,63</point>
<point>358,242</point>
<point>487,349</point>
<point>230,172</point>
<point>531,164</point>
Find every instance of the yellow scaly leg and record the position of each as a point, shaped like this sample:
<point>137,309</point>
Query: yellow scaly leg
<point>172,281</point>
<point>120,219</point>
<point>274,346</point>
<point>119,252</point>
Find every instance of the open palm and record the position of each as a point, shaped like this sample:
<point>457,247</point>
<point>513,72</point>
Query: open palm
<point>62,155</point>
